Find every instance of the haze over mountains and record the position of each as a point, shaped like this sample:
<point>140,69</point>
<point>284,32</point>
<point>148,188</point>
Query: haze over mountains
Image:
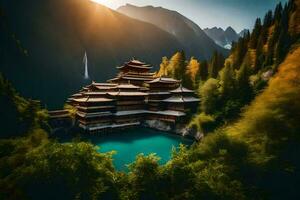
<point>224,38</point>
<point>47,63</point>
<point>191,36</point>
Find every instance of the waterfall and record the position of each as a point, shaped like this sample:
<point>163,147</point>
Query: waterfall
<point>86,71</point>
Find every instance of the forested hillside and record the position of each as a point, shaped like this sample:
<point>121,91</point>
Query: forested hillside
<point>225,86</point>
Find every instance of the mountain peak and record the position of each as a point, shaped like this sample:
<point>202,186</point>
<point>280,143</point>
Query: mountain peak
<point>221,37</point>
<point>243,32</point>
<point>229,29</point>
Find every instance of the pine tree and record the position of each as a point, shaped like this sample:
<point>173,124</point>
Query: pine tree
<point>255,34</point>
<point>277,13</point>
<point>203,71</point>
<point>244,90</point>
<point>241,50</point>
<point>217,63</point>
<point>284,40</point>
<point>227,81</point>
<point>268,19</point>
<point>259,55</point>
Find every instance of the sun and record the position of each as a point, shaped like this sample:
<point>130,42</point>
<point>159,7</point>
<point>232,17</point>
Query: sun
<point>109,3</point>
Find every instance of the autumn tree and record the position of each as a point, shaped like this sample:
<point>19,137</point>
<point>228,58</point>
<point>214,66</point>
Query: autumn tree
<point>163,70</point>
<point>193,71</point>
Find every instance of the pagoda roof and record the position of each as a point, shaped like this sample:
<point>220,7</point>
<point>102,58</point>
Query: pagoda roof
<point>181,99</point>
<point>77,95</point>
<point>164,80</point>
<point>159,93</point>
<point>105,87</point>
<point>127,86</point>
<point>104,84</point>
<point>131,78</point>
<point>127,93</point>
<point>141,73</point>
<point>136,64</point>
<point>95,93</point>
<point>93,107</point>
<point>182,89</point>
<point>137,78</point>
<point>91,115</point>
<point>130,112</point>
<point>93,100</point>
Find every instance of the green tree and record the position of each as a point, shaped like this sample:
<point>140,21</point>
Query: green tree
<point>209,94</point>
<point>255,34</point>
<point>244,91</point>
<point>277,13</point>
<point>217,63</point>
<point>268,19</point>
<point>203,71</point>
<point>63,171</point>
<point>144,178</point>
<point>227,81</point>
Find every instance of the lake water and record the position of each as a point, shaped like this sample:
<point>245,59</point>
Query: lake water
<point>129,143</point>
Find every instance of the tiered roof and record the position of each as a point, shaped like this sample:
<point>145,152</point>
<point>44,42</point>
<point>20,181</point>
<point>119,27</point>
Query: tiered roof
<point>181,95</point>
<point>181,90</point>
<point>181,99</point>
<point>127,93</point>
<point>135,65</point>
<point>134,71</point>
<point>93,100</point>
<point>164,80</point>
<point>122,102</point>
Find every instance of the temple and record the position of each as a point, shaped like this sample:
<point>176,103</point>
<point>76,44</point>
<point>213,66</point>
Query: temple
<point>135,97</point>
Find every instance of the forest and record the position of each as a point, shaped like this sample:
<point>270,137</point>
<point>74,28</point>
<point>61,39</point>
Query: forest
<point>249,114</point>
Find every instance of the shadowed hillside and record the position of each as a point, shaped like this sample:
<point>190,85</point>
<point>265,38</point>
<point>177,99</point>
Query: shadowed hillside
<point>195,41</point>
<point>54,34</point>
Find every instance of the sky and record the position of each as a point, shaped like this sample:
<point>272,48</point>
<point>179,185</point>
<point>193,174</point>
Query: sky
<point>238,14</point>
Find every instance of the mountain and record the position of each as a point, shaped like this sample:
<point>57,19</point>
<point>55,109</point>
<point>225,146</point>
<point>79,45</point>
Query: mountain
<point>243,32</point>
<point>221,37</point>
<point>191,36</point>
<point>43,43</point>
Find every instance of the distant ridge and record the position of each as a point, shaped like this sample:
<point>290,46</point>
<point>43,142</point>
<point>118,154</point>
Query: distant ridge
<point>191,36</point>
<point>224,38</point>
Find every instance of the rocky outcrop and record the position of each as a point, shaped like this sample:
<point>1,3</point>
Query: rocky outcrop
<point>158,125</point>
<point>180,129</point>
<point>192,132</point>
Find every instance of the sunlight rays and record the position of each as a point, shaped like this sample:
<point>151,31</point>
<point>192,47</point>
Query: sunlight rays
<point>109,3</point>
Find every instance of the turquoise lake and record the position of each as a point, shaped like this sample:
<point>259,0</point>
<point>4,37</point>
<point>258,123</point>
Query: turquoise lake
<point>129,143</point>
